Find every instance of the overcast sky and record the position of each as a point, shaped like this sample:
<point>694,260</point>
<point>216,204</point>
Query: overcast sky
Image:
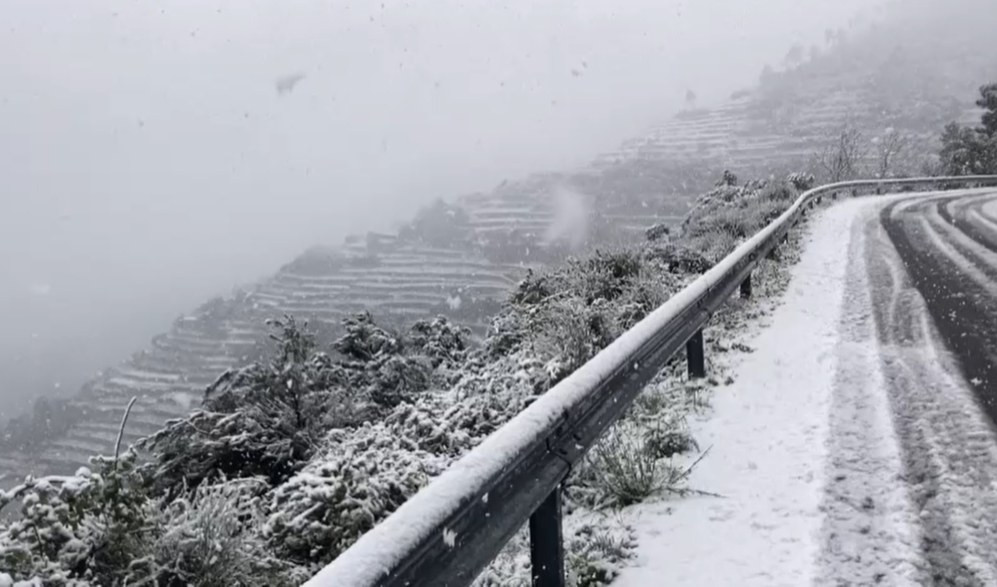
<point>147,161</point>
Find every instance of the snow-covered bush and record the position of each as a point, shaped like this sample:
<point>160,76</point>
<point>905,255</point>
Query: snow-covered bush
<point>596,548</point>
<point>606,276</point>
<point>289,460</point>
<point>562,318</point>
<point>596,552</point>
<point>264,419</point>
<point>658,232</point>
<point>364,340</point>
<point>84,529</point>
<point>800,181</point>
<point>441,341</point>
<point>359,479</point>
<point>269,418</point>
<point>211,538</point>
<point>621,470</point>
<point>378,365</point>
<point>730,213</point>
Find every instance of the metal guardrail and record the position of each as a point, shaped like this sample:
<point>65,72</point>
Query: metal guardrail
<point>448,532</point>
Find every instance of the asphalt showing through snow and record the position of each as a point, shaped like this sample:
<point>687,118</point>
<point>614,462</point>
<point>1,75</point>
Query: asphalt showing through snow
<point>949,249</point>
<point>931,267</point>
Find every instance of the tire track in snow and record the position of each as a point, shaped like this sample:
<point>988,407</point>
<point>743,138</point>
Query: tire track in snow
<point>963,214</point>
<point>948,445</point>
<point>869,535</point>
<point>850,449</point>
<point>959,293</point>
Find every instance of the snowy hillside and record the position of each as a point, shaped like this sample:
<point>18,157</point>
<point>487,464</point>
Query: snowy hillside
<point>293,457</point>
<point>460,259</point>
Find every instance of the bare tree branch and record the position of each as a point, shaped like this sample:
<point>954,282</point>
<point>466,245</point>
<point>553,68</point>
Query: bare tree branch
<point>889,148</point>
<point>121,430</point>
<point>842,157</point>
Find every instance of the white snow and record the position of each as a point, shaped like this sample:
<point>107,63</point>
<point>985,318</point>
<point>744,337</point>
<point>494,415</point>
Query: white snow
<point>449,537</point>
<point>990,209</point>
<point>806,443</point>
<point>869,532</point>
<point>367,561</point>
<point>184,400</point>
<point>770,431</point>
<point>769,434</point>
<point>572,212</point>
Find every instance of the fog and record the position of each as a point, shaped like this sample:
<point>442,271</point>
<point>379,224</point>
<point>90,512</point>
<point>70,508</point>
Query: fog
<point>155,154</point>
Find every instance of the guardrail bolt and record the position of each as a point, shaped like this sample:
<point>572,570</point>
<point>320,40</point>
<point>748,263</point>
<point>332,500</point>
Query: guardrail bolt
<point>695,356</point>
<point>547,543</point>
<point>746,287</point>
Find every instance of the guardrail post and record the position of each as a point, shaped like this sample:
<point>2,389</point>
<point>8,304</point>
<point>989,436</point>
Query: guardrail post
<point>695,356</point>
<point>834,195</point>
<point>746,287</point>
<point>547,543</point>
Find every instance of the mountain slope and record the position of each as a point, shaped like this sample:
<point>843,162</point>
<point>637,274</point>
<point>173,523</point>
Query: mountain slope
<point>913,73</point>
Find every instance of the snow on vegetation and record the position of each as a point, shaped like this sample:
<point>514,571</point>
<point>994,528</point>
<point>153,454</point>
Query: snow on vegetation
<point>768,433</point>
<point>289,460</point>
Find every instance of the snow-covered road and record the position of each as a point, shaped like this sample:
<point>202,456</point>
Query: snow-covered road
<point>850,449</point>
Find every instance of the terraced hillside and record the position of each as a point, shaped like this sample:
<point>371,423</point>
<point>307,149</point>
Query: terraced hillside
<point>460,258</point>
<point>399,280</point>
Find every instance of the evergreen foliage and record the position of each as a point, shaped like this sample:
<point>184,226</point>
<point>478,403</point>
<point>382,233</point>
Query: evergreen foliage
<point>972,151</point>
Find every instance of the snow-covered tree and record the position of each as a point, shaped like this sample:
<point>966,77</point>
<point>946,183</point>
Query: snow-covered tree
<point>264,419</point>
<point>988,101</point>
<point>801,181</point>
<point>213,537</point>
<point>967,151</point>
